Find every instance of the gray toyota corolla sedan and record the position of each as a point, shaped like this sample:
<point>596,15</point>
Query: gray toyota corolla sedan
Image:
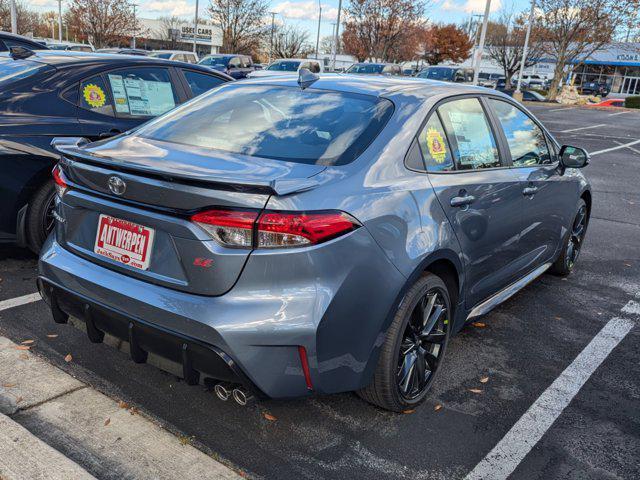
<point>288,236</point>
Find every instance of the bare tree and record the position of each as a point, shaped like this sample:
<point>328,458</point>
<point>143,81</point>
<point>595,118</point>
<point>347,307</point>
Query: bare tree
<point>168,27</point>
<point>574,29</point>
<point>103,22</point>
<point>505,42</point>
<point>242,22</point>
<point>378,29</point>
<point>290,42</point>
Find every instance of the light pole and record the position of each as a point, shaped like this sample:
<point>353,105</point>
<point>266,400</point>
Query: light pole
<point>60,20</point>
<point>318,36</point>
<point>14,17</point>
<point>335,47</point>
<point>135,26</point>
<point>195,28</point>
<point>273,24</point>
<point>525,50</point>
<point>478,56</point>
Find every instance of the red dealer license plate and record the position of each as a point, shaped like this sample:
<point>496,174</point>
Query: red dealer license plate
<point>123,241</point>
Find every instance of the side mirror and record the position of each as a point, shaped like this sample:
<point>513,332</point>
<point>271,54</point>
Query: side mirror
<point>573,157</point>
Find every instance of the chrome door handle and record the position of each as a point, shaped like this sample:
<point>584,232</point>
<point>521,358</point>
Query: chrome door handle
<point>462,201</point>
<point>529,191</point>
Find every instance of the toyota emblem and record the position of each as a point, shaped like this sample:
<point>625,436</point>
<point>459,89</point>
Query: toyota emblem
<point>116,185</point>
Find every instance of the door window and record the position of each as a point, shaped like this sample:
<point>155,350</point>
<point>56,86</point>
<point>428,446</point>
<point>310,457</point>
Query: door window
<point>142,92</point>
<point>201,82</point>
<point>189,58</point>
<point>434,146</point>
<point>94,96</point>
<point>526,140</point>
<point>469,134</point>
<point>234,63</point>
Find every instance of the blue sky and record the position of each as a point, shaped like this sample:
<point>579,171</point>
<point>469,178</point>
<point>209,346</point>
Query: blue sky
<point>305,12</point>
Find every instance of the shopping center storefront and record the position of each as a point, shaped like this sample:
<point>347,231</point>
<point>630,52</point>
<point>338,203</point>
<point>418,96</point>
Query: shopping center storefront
<point>617,65</point>
<point>158,34</point>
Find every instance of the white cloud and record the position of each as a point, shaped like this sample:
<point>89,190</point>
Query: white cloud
<point>43,3</point>
<point>305,10</point>
<point>170,7</point>
<point>470,6</point>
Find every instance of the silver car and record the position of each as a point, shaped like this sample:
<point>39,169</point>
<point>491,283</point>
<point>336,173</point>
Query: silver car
<point>290,236</point>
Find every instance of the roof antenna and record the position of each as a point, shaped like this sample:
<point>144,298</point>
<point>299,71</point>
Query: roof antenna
<point>20,53</point>
<point>306,78</point>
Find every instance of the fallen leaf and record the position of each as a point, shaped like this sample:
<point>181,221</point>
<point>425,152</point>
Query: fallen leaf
<point>484,379</point>
<point>558,318</point>
<point>437,407</point>
<point>52,335</point>
<point>22,347</point>
<point>184,440</point>
<point>9,385</point>
<point>107,422</point>
<point>133,411</point>
<point>19,399</point>
<point>269,417</point>
<point>122,404</point>
<point>475,390</point>
<point>27,342</point>
<point>24,356</point>
<point>627,264</point>
<point>408,411</point>
<point>479,324</point>
<point>68,358</point>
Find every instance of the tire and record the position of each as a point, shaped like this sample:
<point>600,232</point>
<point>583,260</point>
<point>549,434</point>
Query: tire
<point>572,244</point>
<point>392,375</point>
<point>39,221</point>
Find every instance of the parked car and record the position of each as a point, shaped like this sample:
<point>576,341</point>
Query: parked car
<point>528,95</point>
<point>236,66</point>
<point>489,80</point>
<point>601,89</point>
<point>447,74</point>
<point>296,236</point>
<point>532,80</point>
<point>501,84</point>
<point>73,47</point>
<point>288,66</point>
<point>176,55</point>
<point>72,94</point>
<point>124,51</point>
<point>8,40</point>
<point>367,68</point>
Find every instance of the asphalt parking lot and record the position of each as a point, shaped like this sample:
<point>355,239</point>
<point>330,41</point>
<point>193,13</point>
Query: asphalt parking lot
<point>522,347</point>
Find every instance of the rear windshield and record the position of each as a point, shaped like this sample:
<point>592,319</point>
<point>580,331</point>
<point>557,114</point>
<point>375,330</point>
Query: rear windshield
<point>284,123</point>
<point>365,68</point>
<point>285,66</point>
<point>160,55</point>
<point>12,70</point>
<point>438,73</point>
<point>215,61</point>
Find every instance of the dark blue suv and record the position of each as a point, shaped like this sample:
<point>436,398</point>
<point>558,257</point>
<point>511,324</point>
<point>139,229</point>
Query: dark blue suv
<point>49,94</point>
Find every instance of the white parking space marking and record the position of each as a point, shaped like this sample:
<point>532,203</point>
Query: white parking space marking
<point>523,436</point>
<point>625,145</point>
<point>617,113</point>
<point>16,302</point>
<point>582,128</point>
<point>561,109</point>
<point>635,150</point>
<point>632,307</point>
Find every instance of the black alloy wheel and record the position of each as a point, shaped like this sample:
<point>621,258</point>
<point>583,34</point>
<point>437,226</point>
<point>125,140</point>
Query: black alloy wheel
<point>573,242</point>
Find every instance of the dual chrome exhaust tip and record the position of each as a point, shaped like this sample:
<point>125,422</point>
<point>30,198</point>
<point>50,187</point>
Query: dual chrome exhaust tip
<point>226,390</point>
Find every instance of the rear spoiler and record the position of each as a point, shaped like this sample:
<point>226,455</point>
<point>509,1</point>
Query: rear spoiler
<point>71,148</point>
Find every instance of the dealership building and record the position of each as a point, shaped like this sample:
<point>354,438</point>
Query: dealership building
<point>157,34</point>
<point>617,64</point>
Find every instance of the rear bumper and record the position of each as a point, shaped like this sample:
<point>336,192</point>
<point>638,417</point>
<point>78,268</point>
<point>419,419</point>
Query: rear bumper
<point>250,335</point>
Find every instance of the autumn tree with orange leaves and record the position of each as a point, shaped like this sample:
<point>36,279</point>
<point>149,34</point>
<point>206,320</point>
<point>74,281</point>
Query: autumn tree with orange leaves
<point>445,43</point>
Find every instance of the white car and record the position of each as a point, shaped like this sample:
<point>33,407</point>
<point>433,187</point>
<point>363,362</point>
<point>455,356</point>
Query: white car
<point>177,55</point>
<point>284,66</point>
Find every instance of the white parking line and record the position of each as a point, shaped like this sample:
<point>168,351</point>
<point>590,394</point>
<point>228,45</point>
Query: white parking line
<point>635,150</point>
<point>635,142</point>
<point>523,436</point>
<point>617,113</point>
<point>582,128</point>
<point>16,302</point>
<point>561,109</point>
<point>632,307</point>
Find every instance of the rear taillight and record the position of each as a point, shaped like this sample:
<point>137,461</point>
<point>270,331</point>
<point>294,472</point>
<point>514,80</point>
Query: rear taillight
<point>233,228</point>
<point>58,178</point>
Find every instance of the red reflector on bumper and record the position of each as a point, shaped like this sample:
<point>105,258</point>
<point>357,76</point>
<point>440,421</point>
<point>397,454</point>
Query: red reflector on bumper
<point>305,366</point>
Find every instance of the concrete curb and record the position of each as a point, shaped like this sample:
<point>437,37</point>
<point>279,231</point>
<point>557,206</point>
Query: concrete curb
<point>78,429</point>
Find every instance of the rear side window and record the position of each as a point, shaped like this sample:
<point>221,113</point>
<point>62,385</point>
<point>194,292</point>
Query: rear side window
<point>284,123</point>
<point>142,92</point>
<point>94,96</point>
<point>469,134</point>
<point>526,140</point>
<point>434,146</point>
<point>201,82</point>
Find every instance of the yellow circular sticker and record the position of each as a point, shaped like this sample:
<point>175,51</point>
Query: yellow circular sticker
<point>94,95</point>
<point>436,145</point>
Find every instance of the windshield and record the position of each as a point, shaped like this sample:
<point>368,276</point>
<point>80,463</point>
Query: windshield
<point>215,61</point>
<point>437,73</point>
<point>284,123</point>
<point>160,55</point>
<point>284,66</point>
<point>365,68</point>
